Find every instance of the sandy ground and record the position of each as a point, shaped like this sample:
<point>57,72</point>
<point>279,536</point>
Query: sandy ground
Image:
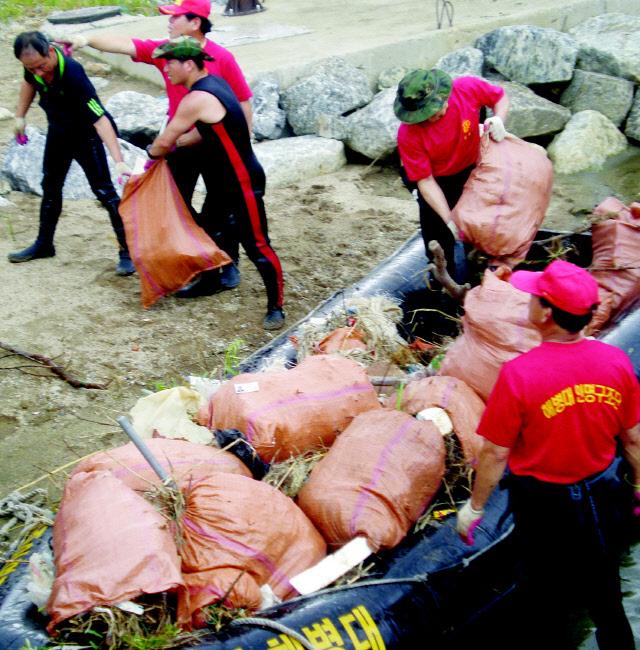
<point>329,231</point>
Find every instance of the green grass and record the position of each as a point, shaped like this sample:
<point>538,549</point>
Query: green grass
<point>40,8</point>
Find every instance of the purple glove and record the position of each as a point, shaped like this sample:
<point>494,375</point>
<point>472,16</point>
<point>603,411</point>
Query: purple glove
<point>149,164</point>
<point>636,506</point>
<point>22,139</point>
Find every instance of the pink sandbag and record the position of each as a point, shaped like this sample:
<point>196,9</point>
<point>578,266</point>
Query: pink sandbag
<point>506,198</point>
<point>289,412</point>
<point>616,259</point>
<point>166,246</point>
<point>186,462</point>
<point>376,480</point>
<point>240,534</point>
<point>461,403</point>
<point>109,545</point>
<point>496,328</point>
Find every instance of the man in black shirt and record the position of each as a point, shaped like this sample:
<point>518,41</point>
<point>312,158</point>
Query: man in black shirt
<point>78,127</point>
<point>216,113</point>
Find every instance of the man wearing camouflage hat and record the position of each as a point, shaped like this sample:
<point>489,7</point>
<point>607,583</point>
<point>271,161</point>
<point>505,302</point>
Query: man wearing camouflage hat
<point>214,110</point>
<point>186,18</point>
<point>439,142</point>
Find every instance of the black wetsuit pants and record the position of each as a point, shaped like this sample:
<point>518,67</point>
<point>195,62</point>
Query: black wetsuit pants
<point>571,539</point>
<point>60,150</point>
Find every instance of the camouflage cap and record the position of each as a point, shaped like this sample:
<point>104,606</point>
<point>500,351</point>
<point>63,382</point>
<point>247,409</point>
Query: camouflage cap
<point>182,48</point>
<point>421,94</point>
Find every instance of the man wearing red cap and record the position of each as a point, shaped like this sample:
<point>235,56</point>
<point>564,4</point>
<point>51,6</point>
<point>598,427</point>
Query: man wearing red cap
<point>186,18</point>
<point>556,417</point>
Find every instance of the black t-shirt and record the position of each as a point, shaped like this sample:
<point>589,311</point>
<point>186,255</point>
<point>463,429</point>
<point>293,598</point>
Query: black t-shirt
<point>70,101</point>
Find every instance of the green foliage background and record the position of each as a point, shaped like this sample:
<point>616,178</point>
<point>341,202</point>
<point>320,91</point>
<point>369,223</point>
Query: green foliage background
<point>16,9</point>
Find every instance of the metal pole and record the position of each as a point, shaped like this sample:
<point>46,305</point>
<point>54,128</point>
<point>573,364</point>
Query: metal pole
<point>127,427</point>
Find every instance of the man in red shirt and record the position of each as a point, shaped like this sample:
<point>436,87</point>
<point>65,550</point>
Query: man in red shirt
<point>439,142</point>
<point>556,416</point>
<point>187,18</point>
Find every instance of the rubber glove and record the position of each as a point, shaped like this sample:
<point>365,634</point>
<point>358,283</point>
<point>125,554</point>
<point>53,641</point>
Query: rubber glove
<point>494,126</point>
<point>149,164</point>
<point>124,172</point>
<point>636,505</point>
<point>454,229</point>
<point>468,521</point>
<point>19,125</point>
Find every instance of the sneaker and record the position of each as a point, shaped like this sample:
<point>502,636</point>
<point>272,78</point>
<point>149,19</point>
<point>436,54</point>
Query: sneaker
<point>125,265</point>
<point>274,319</point>
<point>229,277</point>
<point>33,252</point>
<point>206,284</point>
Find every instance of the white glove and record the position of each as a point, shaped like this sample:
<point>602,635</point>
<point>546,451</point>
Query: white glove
<point>124,172</point>
<point>494,126</point>
<point>454,229</point>
<point>19,125</point>
<point>468,520</point>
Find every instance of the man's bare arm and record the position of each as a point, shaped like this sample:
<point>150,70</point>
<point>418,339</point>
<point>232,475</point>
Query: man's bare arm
<point>492,462</point>
<point>25,97</point>
<point>248,114</point>
<point>108,135</point>
<point>433,195</point>
<point>502,107</point>
<point>631,444</point>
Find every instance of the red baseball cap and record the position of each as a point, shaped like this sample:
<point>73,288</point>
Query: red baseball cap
<point>200,8</point>
<point>565,285</point>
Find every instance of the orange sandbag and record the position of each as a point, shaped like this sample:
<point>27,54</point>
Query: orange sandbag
<point>376,480</point>
<point>460,402</point>
<point>186,462</point>
<point>496,328</point>
<point>109,545</point>
<point>616,259</point>
<point>289,412</point>
<point>341,340</point>
<point>240,534</point>
<point>168,249</point>
<point>505,198</point>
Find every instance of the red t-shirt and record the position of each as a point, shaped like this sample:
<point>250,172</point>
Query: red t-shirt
<point>560,407</point>
<point>223,65</point>
<point>451,144</point>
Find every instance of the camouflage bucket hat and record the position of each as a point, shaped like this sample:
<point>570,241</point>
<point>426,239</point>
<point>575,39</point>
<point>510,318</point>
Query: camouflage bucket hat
<point>421,94</point>
<point>182,48</point>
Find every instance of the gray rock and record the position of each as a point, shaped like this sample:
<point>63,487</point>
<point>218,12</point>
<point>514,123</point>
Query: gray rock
<point>84,15</point>
<point>23,167</point>
<point>529,54</point>
<point>99,83</point>
<point>608,95</point>
<point>333,88</point>
<point>632,128</point>
<point>5,203</point>
<point>464,61</point>
<point>586,142</point>
<point>529,114</point>
<point>390,78</point>
<point>372,131</point>
<point>334,127</point>
<point>136,114</point>
<point>610,44</point>
<point>269,120</point>
<point>288,160</point>
<point>5,113</point>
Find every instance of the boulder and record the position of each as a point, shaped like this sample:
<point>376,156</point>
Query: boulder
<point>530,115</point>
<point>99,83</point>
<point>632,128</point>
<point>288,160</point>
<point>138,116</point>
<point>586,142</point>
<point>390,78</point>
<point>22,166</point>
<point>608,95</point>
<point>529,54</point>
<point>269,120</point>
<point>371,131</point>
<point>464,61</point>
<point>333,88</point>
<point>609,44</point>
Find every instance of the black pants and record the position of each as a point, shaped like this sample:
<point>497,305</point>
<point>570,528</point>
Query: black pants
<point>186,165</point>
<point>431,224</point>
<point>571,540</point>
<point>245,221</point>
<point>60,150</point>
